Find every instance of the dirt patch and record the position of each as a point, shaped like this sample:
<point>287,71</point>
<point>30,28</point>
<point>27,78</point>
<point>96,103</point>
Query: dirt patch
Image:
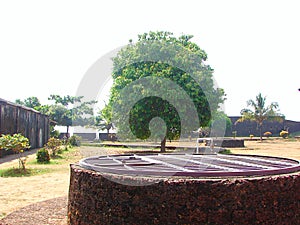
<point>52,212</point>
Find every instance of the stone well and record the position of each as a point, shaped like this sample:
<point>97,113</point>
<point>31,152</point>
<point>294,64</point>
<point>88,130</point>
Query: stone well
<point>184,189</point>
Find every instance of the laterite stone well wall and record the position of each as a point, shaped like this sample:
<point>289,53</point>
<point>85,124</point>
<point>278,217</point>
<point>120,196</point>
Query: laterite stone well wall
<point>94,199</point>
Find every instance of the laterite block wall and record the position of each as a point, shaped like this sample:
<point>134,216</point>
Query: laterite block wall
<point>94,199</point>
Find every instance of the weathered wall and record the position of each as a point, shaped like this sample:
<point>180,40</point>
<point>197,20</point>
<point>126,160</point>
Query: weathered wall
<point>94,199</point>
<point>246,128</point>
<point>30,123</point>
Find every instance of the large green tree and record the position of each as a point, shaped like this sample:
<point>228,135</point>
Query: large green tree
<point>259,112</point>
<point>160,61</point>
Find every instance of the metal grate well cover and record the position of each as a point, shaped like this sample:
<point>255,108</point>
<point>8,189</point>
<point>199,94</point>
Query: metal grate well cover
<point>191,165</point>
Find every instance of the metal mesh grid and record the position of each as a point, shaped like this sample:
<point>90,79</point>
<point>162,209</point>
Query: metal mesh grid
<point>196,165</point>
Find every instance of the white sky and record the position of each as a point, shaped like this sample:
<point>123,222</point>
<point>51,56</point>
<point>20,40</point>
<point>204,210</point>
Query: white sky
<point>47,46</point>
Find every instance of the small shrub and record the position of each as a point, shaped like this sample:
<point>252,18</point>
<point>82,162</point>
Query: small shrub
<point>75,140</point>
<point>267,134</point>
<point>225,151</point>
<point>18,143</point>
<point>251,136</point>
<point>43,156</point>
<point>54,133</point>
<point>53,145</point>
<point>284,134</point>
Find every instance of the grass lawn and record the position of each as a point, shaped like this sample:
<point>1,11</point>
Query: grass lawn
<point>52,180</point>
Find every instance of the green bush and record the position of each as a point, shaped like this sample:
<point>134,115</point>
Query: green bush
<point>43,156</point>
<point>53,145</point>
<point>75,140</point>
<point>18,143</point>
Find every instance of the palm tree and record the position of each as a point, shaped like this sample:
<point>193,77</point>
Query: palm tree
<point>260,112</point>
<point>104,121</point>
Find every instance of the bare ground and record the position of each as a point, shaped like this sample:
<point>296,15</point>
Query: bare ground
<point>43,199</point>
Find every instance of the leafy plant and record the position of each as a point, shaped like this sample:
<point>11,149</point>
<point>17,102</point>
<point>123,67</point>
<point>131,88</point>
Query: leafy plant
<point>284,134</point>
<point>17,143</point>
<point>43,156</point>
<point>54,133</point>
<point>53,145</point>
<point>75,140</point>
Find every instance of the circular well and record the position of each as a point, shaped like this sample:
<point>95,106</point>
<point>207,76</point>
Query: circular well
<point>191,165</point>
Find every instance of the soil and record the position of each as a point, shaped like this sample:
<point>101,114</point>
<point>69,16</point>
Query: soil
<point>43,199</point>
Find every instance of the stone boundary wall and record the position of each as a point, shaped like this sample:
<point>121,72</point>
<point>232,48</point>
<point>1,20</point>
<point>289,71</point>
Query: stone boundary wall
<point>244,129</point>
<point>94,199</point>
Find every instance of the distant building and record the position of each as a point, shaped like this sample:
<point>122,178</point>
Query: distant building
<point>30,123</point>
<point>90,134</point>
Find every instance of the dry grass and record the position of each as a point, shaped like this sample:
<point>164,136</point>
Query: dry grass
<point>280,148</point>
<point>17,192</point>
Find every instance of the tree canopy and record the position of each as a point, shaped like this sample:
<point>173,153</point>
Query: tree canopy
<point>31,102</point>
<point>162,76</point>
<point>69,110</point>
<point>66,110</point>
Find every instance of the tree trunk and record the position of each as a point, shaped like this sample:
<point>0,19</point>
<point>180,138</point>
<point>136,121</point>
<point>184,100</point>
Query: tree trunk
<point>108,137</point>
<point>68,133</point>
<point>163,145</point>
<point>260,133</point>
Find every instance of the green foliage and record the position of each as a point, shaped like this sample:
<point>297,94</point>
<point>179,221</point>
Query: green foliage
<point>66,110</point>
<point>43,156</point>
<point>31,102</point>
<point>13,172</point>
<point>143,60</point>
<point>53,145</point>
<point>54,133</point>
<point>220,122</point>
<point>225,151</point>
<point>17,143</point>
<point>261,112</point>
<point>103,121</point>
<point>284,134</point>
<point>74,140</point>
<point>69,110</point>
